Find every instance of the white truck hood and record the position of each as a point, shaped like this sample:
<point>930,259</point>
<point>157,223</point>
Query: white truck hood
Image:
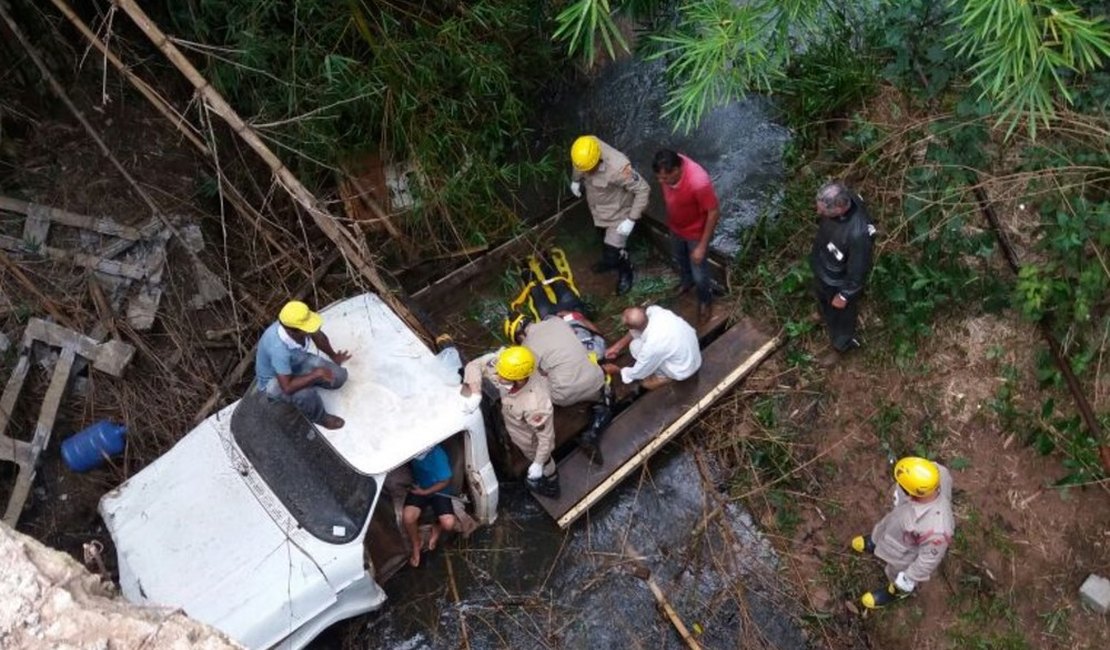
<point>200,539</point>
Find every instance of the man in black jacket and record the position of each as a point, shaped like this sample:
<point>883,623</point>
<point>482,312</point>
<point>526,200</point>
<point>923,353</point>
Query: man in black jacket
<point>841,260</point>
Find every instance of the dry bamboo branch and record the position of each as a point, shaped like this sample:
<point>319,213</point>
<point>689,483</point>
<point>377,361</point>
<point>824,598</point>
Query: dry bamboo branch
<point>56,87</point>
<point>642,572</point>
<point>163,107</point>
<point>368,200</point>
<point>351,248</point>
<point>230,193</point>
<point>49,305</point>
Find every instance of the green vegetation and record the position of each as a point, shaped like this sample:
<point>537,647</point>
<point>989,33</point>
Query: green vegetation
<point>1023,55</point>
<point>447,89</point>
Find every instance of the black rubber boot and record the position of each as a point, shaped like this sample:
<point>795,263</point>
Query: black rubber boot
<point>610,259</point>
<point>546,486</point>
<point>590,440</point>
<point>624,270</point>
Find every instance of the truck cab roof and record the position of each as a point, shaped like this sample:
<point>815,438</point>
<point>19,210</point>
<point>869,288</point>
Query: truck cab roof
<point>398,400</point>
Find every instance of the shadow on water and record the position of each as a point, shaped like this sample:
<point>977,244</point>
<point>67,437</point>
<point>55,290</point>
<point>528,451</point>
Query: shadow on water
<point>523,583</point>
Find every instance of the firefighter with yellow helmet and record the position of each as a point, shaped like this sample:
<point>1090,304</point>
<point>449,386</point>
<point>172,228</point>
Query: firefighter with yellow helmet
<point>525,406</point>
<point>568,347</point>
<point>617,196</point>
<point>913,537</point>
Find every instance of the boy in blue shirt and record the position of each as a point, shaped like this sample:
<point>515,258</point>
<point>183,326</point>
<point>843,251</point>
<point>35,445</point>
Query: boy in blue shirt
<point>431,477</point>
<point>287,370</point>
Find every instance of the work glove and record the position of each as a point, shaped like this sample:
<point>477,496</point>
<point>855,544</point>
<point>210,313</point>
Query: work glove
<point>903,583</point>
<point>535,471</point>
<point>625,227</point>
<point>471,402</point>
<point>576,188</point>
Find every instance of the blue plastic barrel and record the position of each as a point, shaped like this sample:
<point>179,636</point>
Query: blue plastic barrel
<point>88,448</point>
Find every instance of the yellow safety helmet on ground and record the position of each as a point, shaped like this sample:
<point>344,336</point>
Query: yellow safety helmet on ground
<point>297,315</point>
<point>514,326</point>
<point>515,363</point>
<point>917,476</point>
<point>585,152</point>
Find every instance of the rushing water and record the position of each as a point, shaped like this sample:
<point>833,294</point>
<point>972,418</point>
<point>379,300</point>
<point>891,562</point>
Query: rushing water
<point>523,583</point>
<point>738,144</point>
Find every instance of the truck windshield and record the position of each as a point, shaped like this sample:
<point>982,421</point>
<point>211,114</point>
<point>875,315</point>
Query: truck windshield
<point>319,488</point>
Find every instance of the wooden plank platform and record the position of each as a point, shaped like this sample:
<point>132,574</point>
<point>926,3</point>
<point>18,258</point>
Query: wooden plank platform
<point>646,426</point>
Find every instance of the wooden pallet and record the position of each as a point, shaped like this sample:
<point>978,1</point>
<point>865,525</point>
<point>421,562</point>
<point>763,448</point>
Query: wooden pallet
<point>650,423</point>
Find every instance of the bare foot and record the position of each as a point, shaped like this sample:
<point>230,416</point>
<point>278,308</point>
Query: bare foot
<point>332,422</point>
<point>433,538</point>
<point>414,559</point>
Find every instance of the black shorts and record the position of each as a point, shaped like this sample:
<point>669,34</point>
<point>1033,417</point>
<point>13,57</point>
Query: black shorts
<point>440,504</point>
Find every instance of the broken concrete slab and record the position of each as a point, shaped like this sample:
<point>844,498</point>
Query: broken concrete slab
<point>209,288</point>
<point>143,307</point>
<point>1095,593</point>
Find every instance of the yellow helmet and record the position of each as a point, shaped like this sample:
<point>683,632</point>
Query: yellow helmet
<point>585,152</point>
<point>297,315</point>
<point>514,326</point>
<point>515,363</point>
<point>917,476</point>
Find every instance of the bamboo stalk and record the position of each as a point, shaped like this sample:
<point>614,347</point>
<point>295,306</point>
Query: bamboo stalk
<point>351,248</point>
<point>60,92</point>
<point>368,200</point>
<point>230,192</point>
<point>641,571</point>
<point>161,105</point>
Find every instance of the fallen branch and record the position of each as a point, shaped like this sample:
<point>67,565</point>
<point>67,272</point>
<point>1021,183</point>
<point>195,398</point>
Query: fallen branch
<point>351,248</point>
<point>49,305</point>
<point>641,571</point>
<point>161,105</point>
<point>455,597</point>
<point>57,89</point>
<point>1085,410</point>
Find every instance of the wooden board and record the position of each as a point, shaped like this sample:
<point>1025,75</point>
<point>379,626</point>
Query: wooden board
<point>490,262</point>
<point>646,426</point>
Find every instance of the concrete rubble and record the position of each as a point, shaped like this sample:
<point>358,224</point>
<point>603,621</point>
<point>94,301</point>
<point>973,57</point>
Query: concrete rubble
<point>1095,593</point>
<point>51,601</point>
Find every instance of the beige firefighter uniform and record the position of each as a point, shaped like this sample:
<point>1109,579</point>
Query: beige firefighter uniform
<point>528,413</point>
<point>573,377</point>
<point>614,192</point>
<point>913,537</point>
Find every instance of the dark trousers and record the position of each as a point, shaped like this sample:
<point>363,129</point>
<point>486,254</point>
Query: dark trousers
<point>695,275</point>
<point>840,323</point>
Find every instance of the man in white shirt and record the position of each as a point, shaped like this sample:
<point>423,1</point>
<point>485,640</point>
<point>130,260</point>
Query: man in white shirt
<point>664,346</point>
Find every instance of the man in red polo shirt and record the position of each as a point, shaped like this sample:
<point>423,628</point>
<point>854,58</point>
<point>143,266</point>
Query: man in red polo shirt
<point>692,213</point>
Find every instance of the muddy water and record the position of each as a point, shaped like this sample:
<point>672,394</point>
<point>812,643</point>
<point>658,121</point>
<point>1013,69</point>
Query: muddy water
<point>523,583</point>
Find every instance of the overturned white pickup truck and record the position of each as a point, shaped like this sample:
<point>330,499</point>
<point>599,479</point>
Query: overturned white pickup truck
<point>268,528</point>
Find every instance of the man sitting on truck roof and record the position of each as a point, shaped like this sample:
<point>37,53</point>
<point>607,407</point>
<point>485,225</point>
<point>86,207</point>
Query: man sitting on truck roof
<point>525,406</point>
<point>288,368</point>
<point>664,346</point>
<point>431,477</point>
